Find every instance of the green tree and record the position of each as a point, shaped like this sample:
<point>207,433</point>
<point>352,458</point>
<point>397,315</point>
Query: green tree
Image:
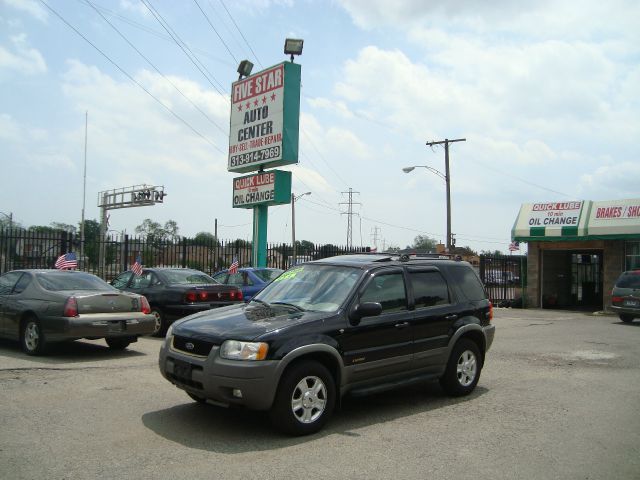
<point>64,227</point>
<point>422,242</point>
<point>154,232</point>
<point>205,239</point>
<point>464,251</point>
<point>91,240</point>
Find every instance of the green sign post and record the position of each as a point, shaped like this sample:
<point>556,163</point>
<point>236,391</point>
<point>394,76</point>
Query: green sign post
<point>264,133</point>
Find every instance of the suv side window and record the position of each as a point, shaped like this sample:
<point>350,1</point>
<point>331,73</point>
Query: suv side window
<point>429,289</point>
<point>469,282</point>
<point>387,289</point>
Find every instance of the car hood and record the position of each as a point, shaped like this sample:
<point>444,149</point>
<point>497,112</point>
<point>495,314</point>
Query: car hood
<point>241,322</point>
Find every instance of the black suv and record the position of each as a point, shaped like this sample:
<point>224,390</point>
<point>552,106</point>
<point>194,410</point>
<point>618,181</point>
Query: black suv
<point>353,324</point>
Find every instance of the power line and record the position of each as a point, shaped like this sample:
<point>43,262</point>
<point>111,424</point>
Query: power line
<point>188,125</point>
<point>156,68</point>
<point>214,29</point>
<point>242,34</point>
<point>183,46</point>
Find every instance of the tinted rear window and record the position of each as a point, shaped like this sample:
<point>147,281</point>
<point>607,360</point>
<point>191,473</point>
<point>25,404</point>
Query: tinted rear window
<point>469,282</point>
<point>57,281</point>
<point>187,277</point>
<point>629,280</point>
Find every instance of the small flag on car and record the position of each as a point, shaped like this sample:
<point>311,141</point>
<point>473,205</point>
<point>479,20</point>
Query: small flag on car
<point>136,268</point>
<point>513,246</point>
<point>233,268</point>
<point>67,261</point>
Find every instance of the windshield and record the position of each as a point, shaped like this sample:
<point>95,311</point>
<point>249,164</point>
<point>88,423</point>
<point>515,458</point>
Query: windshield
<point>56,281</point>
<point>268,275</point>
<point>187,277</point>
<point>629,280</point>
<point>321,288</point>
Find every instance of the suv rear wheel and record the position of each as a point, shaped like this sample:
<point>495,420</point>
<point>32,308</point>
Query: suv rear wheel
<point>305,399</point>
<point>463,370</point>
<point>626,318</point>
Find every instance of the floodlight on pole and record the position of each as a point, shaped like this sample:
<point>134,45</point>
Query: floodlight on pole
<point>293,224</point>
<point>293,46</point>
<point>244,69</point>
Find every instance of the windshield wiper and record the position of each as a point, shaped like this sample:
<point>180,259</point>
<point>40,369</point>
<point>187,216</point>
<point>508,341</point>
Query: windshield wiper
<point>300,309</point>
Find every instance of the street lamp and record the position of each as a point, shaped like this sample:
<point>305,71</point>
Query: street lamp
<point>447,180</point>
<point>293,223</point>
<point>293,46</point>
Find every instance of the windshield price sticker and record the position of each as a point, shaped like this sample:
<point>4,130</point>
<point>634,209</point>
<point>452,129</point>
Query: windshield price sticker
<point>289,274</point>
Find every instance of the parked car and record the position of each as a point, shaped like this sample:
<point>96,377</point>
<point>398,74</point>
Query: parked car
<point>39,307</point>
<point>625,296</point>
<point>354,324</point>
<point>250,280</point>
<point>176,292</point>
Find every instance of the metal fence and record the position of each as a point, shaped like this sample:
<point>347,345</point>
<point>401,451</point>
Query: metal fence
<point>31,249</point>
<point>505,278</point>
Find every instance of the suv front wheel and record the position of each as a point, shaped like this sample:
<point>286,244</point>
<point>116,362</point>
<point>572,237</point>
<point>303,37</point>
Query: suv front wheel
<point>463,370</point>
<point>305,399</point>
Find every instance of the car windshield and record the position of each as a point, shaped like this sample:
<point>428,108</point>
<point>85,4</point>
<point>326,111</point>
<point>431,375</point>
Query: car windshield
<point>57,281</point>
<point>321,288</point>
<point>186,277</point>
<point>268,275</point>
<point>629,280</point>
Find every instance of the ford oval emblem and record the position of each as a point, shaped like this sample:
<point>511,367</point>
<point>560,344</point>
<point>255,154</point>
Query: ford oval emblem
<point>189,346</point>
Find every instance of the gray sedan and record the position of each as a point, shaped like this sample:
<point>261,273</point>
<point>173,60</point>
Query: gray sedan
<point>38,307</point>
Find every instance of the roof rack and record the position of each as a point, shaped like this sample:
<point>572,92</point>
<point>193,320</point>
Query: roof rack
<point>405,257</point>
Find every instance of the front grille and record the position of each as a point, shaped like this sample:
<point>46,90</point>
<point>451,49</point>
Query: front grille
<point>192,346</point>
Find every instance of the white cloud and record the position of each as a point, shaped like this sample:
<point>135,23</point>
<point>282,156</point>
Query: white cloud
<point>32,7</point>
<point>621,177</point>
<point>23,59</point>
<point>337,107</point>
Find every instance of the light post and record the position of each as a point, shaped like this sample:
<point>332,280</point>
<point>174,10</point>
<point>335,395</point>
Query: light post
<point>293,224</point>
<point>447,180</point>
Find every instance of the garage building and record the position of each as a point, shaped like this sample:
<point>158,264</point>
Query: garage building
<point>577,250</point>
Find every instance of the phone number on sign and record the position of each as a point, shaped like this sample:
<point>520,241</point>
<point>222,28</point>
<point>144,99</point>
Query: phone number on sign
<point>257,156</point>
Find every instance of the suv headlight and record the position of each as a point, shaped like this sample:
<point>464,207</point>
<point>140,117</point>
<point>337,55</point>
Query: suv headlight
<point>237,350</point>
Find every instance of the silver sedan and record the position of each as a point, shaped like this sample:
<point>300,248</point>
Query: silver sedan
<point>38,307</point>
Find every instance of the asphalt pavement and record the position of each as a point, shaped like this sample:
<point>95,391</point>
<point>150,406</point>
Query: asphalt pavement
<point>557,399</point>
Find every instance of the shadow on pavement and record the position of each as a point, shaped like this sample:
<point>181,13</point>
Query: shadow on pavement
<point>65,352</point>
<point>236,430</point>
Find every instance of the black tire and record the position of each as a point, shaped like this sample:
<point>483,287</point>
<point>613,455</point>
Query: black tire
<point>626,318</point>
<point>463,369</point>
<point>305,399</point>
<point>32,338</point>
<point>197,398</point>
<point>118,343</point>
<point>161,322</point>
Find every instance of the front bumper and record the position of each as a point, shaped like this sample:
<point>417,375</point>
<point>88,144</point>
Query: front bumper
<point>216,379</point>
<point>108,325</point>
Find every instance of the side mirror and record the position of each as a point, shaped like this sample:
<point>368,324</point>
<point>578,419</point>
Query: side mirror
<point>365,309</point>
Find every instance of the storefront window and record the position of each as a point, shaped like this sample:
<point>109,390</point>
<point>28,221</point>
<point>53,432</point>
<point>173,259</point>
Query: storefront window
<point>632,255</point>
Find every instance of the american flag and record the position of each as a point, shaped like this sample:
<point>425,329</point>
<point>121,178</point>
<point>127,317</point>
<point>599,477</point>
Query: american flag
<point>513,246</point>
<point>67,261</point>
<point>233,268</point>
<point>136,268</point>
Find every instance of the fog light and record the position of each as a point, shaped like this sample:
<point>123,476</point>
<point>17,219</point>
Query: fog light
<point>237,393</point>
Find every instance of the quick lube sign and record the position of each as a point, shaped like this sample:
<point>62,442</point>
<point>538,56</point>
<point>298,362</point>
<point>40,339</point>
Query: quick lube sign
<point>266,188</point>
<point>265,110</point>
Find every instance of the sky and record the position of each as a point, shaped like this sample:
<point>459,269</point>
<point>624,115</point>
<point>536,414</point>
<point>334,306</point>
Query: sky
<point>546,94</point>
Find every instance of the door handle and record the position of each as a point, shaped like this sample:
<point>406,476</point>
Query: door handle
<point>453,316</point>
<point>402,324</point>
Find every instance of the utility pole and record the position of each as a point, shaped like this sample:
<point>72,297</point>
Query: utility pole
<point>376,229</point>
<point>447,177</point>
<point>84,192</point>
<point>350,203</point>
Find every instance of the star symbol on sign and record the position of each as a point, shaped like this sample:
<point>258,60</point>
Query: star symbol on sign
<point>255,102</point>
<point>273,97</point>
<point>240,107</point>
<point>248,105</point>
<point>264,100</point>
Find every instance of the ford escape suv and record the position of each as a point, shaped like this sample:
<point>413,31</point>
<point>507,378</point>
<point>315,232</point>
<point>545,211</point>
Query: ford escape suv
<point>353,324</point>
